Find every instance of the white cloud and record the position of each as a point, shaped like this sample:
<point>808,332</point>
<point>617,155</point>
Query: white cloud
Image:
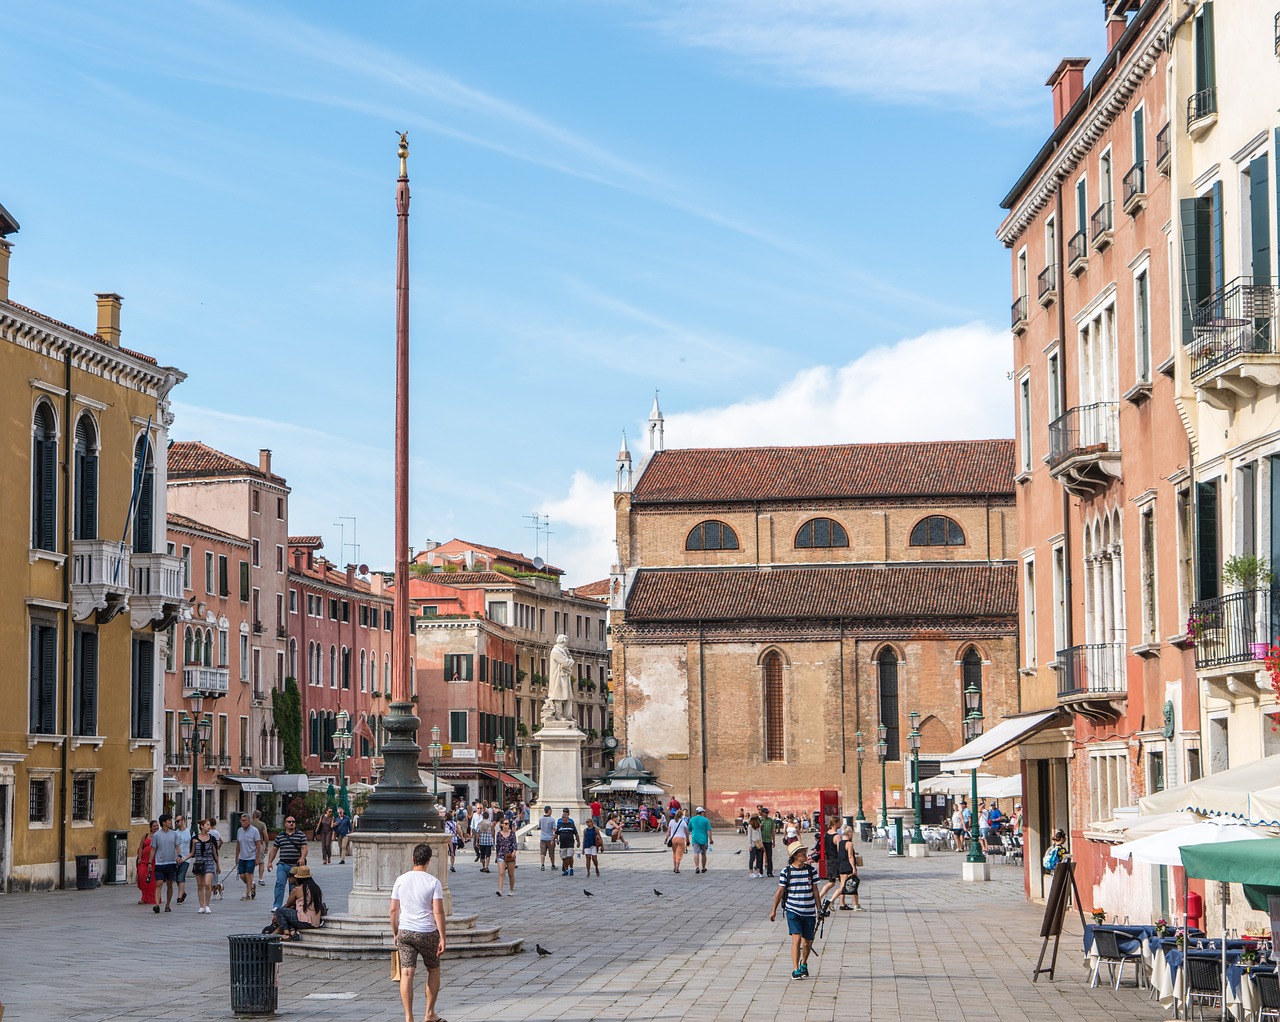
<point>948,384</point>
<point>992,55</point>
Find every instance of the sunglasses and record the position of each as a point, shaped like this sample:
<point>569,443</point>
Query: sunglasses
<point>287,822</point>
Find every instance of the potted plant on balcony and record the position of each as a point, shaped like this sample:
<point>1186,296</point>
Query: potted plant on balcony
<point>1249,573</point>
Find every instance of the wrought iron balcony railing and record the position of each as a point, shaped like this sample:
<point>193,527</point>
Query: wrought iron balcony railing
<point>1077,251</point>
<point>1200,106</point>
<point>1018,313</point>
<point>1100,225</point>
<point>1135,186</point>
<point>1238,320</point>
<point>1096,669</point>
<point>1047,283</point>
<point>1163,151</point>
<point>1236,628</point>
<point>1086,430</point>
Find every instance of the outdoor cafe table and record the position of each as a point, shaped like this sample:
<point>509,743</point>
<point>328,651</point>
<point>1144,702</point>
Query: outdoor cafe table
<point>1166,963</point>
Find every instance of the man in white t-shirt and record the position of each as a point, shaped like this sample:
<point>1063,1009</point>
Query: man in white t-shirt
<point>477,814</point>
<point>417,926</point>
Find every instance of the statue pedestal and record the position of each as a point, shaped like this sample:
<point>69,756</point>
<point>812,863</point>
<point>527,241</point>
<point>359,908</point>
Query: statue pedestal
<point>560,774</point>
<point>379,858</point>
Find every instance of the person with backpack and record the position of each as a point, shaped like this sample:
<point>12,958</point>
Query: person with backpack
<point>1056,852</point>
<point>798,886</point>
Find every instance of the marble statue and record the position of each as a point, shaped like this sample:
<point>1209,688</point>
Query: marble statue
<point>559,702</point>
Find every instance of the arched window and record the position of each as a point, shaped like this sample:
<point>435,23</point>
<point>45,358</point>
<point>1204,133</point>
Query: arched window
<point>144,511</point>
<point>937,530</point>
<point>774,737</point>
<point>333,666</point>
<point>364,671</point>
<point>314,728</point>
<point>887,671</point>
<point>44,480</point>
<point>971,673</point>
<point>346,667</point>
<point>821,532</point>
<point>86,478</point>
<point>386,673</point>
<point>311,663</point>
<point>293,658</point>
<point>208,647</point>
<point>330,729</point>
<point>711,535</point>
<point>188,646</point>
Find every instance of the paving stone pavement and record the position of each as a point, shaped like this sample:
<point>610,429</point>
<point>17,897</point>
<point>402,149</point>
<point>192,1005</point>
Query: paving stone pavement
<point>930,949</point>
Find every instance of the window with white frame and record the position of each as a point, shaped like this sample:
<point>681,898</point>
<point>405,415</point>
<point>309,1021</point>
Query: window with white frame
<point>82,792</point>
<point>1108,782</point>
<point>1059,599</point>
<point>1053,380</point>
<point>1147,537</point>
<point>1024,426</point>
<point>1142,324</point>
<point>40,801</point>
<point>1029,617</point>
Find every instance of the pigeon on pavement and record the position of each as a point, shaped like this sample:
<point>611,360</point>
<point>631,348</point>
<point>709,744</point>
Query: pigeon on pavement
<point>657,892</point>
<point>542,952</point>
<point>587,893</point>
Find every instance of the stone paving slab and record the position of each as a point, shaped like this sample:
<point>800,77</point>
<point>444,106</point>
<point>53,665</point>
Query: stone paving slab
<point>930,949</point>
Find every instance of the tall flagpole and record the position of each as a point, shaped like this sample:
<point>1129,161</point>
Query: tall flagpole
<point>401,802</point>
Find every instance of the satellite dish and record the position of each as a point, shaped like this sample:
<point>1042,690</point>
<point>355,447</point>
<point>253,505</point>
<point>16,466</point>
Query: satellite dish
<point>364,569</point>
<point>539,563</point>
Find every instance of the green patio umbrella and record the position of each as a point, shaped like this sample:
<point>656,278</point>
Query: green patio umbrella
<point>1255,864</point>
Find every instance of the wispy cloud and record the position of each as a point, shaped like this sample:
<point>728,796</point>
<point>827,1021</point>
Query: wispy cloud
<point>944,384</point>
<point>990,56</point>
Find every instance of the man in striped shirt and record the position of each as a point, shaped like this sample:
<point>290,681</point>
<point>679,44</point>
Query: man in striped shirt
<point>798,883</point>
<point>290,846</point>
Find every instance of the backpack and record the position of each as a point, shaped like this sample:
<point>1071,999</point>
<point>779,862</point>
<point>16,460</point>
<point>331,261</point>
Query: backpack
<point>1052,857</point>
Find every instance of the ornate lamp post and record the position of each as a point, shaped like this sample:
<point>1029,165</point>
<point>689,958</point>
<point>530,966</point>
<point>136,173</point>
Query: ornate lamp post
<point>972,729</point>
<point>500,757</point>
<point>342,749</point>
<point>196,732</point>
<point>434,750</point>
<point>882,751</point>
<point>862,752</point>
<point>913,741</point>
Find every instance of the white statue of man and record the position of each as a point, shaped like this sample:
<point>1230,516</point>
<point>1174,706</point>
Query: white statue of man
<point>559,701</point>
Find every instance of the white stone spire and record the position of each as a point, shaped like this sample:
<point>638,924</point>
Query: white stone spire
<point>623,484</point>
<point>656,423</point>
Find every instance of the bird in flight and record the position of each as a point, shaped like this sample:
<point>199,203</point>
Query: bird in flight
<point>542,952</point>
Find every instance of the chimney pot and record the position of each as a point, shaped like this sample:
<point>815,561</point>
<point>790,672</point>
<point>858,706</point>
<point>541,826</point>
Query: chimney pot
<point>1067,83</point>
<point>264,461</point>
<point>351,574</point>
<point>109,318</point>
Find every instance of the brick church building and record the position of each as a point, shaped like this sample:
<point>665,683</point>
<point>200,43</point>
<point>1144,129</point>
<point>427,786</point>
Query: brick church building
<point>770,603</point>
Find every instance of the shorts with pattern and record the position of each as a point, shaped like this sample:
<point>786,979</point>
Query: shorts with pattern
<point>411,943</point>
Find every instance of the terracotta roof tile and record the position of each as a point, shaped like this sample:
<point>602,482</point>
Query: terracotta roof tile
<point>194,459</point>
<point>314,542</point>
<point>184,523</point>
<point>594,590</point>
<point>469,579</point>
<point>932,469</point>
<point>149,359</point>
<point>825,593</point>
<point>325,572</point>
<point>497,552</point>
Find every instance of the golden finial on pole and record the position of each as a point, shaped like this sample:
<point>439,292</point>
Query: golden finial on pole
<point>404,153</point>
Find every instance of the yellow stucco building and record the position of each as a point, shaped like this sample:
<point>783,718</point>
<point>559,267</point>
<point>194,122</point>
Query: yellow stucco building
<point>86,585</point>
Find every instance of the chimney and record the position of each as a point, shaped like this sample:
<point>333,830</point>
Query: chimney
<point>1116,24</point>
<point>1067,83</point>
<point>5,248</point>
<point>351,576</point>
<point>109,318</point>
<point>264,461</point>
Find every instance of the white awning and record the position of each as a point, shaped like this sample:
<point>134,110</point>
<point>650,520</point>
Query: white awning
<point>1007,733</point>
<point>962,784</point>
<point>252,785</point>
<point>1250,791</point>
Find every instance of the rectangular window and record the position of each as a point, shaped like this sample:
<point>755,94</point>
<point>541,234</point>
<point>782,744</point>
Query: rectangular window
<point>1186,566</point>
<point>209,577</point>
<point>256,553</point>
<point>1219,755</point>
<point>224,581</point>
<point>279,559</point>
<point>457,666</point>
<point>1208,581</point>
<point>1206,77</point>
<point>255,609</point>
<point>255,501</point>
<point>280,509</point>
<point>346,611</point>
<point>1155,771</point>
<point>386,620</point>
<point>293,601</point>
<point>143,685</point>
<point>1108,783</point>
<point>484,667</point>
<point>257,672</point>
<point>82,798</point>
<point>39,804</point>
<point>84,715</point>
<point>578,626</point>
<point>1054,381</point>
<point>497,612</point>
<point>170,647</point>
<point>244,658</point>
<point>364,616</point>
<point>1082,205</point>
<point>1024,408</point>
<point>1029,602</point>
<point>1142,325</point>
<point>333,609</point>
<point>279,610</point>
<point>1150,634</point>
<point>1247,502</point>
<point>458,727</point>
<point>186,567</point>
<point>542,620</point>
<point>244,581</point>
<point>43,698</point>
<point>140,798</point>
<point>224,651</point>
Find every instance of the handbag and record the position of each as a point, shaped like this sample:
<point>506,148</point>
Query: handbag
<point>850,885</point>
<point>395,966</point>
<point>509,857</point>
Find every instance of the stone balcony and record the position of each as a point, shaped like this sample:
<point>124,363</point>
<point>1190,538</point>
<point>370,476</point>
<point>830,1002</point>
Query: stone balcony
<point>100,582</point>
<point>212,681</point>
<point>1234,355</point>
<point>1092,680</point>
<point>157,598</point>
<point>1084,447</point>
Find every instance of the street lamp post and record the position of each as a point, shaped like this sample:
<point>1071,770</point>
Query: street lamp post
<point>862,817</point>
<point>972,729</point>
<point>500,756</point>
<point>434,750</point>
<point>196,731</point>
<point>342,749</point>
<point>882,751</point>
<point>913,740</point>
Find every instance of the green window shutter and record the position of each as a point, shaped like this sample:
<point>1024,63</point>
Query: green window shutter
<point>144,516</point>
<point>1207,581</point>
<point>1260,219</point>
<point>1215,204</point>
<point>244,581</point>
<point>85,710</point>
<point>46,655</point>
<point>143,687</point>
<point>1210,65</point>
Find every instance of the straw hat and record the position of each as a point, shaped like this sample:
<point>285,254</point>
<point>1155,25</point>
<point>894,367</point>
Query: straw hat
<point>794,847</point>
<point>301,872</point>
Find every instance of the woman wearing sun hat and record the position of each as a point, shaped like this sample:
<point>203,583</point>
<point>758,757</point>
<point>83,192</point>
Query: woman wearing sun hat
<point>303,909</point>
<point>798,884</point>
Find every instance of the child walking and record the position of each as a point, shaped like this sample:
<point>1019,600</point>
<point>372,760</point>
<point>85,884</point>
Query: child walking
<point>798,884</point>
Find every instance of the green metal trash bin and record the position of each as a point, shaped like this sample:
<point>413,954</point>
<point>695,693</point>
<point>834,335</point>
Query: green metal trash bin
<point>255,973</point>
<point>117,857</point>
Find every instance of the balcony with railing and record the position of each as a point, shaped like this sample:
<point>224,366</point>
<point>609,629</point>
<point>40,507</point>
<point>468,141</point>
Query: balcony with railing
<point>1235,630</point>
<point>1084,447</point>
<point>1164,154</point>
<point>1047,285</point>
<point>212,681</point>
<point>1092,679</point>
<point>1078,252</point>
<point>1134,188</point>
<point>1018,314</point>
<point>177,760</point>
<point>246,762</point>
<point>1101,226</point>
<point>1233,348</point>
<point>258,628</point>
<point>1202,112</point>
<point>100,583</point>
<point>157,598</point>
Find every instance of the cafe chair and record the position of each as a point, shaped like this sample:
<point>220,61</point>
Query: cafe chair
<point>1204,984</point>
<point>1106,945</point>
<point>1268,987</point>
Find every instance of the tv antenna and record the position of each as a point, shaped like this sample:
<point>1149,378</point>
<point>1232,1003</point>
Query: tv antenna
<point>343,544</point>
<point>541,534</point>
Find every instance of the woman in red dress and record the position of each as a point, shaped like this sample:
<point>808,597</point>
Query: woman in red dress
<point>146,869</point>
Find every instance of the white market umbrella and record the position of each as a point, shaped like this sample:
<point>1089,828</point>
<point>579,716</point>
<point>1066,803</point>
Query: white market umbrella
<point>1164,848</point>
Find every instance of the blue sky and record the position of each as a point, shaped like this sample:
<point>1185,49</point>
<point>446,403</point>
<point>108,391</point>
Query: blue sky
<point>779,214</point>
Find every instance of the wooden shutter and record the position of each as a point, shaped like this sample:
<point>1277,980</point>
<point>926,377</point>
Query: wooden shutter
<point>44,510</point>
<point>1207,581</point>
<point>1260,219</point>
<point>143,687</point>
<point>85,686</point>
<point>86,481</point>
<point>144,517</point>
<point>45,664</point>
<point>1210,61</point>
<point>1215,213</point>
<point>1195,272</point>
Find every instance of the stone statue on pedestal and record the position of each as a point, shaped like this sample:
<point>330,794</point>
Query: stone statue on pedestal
<point>559,702</point>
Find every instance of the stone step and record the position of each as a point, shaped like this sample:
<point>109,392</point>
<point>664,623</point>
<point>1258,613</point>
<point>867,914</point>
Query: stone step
<point>351,937</point>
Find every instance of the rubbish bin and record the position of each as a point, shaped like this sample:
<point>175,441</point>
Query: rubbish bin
<point>86,872</point>
<point>117,857</point>
<point>867,830</point>
<point>255,973</point>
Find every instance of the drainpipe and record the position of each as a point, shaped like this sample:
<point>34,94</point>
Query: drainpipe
<point>844,750</point>
<point>1067,629</point>
<point>68,438</point>
<point>702,702</point>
